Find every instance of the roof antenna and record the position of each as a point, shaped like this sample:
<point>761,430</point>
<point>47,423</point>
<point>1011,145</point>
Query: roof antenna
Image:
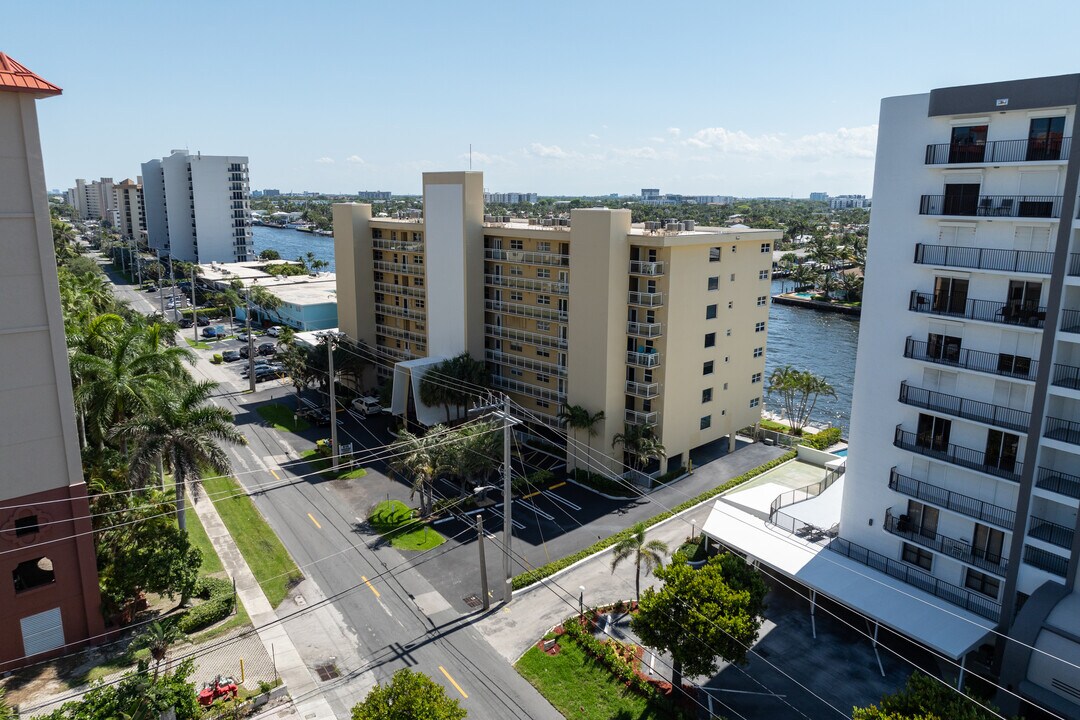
<point>470,156</point>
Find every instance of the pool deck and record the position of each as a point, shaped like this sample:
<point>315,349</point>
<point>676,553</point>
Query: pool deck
<point>755,496</point>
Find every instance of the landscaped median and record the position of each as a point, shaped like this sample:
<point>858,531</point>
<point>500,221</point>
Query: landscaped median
<point>537,574</point>
<point>398,525</point>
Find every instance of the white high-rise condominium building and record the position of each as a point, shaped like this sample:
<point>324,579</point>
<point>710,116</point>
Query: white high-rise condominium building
<point>964,467</point>
<point>128,217</point>
<point>198,207</point>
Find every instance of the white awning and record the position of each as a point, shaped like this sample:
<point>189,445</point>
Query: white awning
<point>411,372</point>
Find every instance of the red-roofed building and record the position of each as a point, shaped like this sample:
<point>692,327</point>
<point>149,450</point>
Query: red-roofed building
<point>50,603</point>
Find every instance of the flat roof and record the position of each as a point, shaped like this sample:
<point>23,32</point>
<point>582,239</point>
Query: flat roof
<point>939,625</point>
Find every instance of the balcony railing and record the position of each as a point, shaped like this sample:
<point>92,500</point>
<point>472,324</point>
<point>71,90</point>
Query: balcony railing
<point>635,417</point>
<point>640,359</point>
<point>646,299</point>
<point>1026,261</point>
<point>976,603</point>
<point>387,331</point>
<point>641,267</point>
<point>546,368</point>
<point>397,311</point>
<point>537,312</point>
<point>1046,560</point>
<point>400,268</point>
<point>1074,264</point>
<point>999,151</point>
<point>392,289</point>
<point>962,551</point>
<point>1023,206</point>
<point>398,245</point>
<point>396,353</point>
<point>1013,366</point>
<point>984,511</point>
<point>1058,482</point>
<point>994,311</point>
<point>1063,430</point>
<point>528,257</point>
<point>642,390</point>
<point>965,408</point>
<point>1006,468</point>
<point>648,330</point>
<point>1051,532</point>
<point>1066,376</point>
<point>1070,321</point>
<point>497,331</point>
<point>521,283</point>
<point>525,388</point>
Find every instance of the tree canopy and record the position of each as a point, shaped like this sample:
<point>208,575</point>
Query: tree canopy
<point>408,696</point>
<point>799,391</point>
<point>924,698</point>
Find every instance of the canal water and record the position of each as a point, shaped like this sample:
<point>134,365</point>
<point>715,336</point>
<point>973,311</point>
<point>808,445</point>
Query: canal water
<point>823,343</point>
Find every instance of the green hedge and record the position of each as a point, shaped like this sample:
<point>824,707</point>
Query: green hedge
<point>218,595</point>
<point>823,439</point>
<point>531,576</point>
<point>602,484</point>
<point>670,475</point>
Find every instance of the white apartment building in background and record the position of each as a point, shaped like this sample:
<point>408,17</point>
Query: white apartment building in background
<point>92,200</point>
<point>511,198</point>
<point>198,207</point>
<point>846,202</point>
<point>128,216</point>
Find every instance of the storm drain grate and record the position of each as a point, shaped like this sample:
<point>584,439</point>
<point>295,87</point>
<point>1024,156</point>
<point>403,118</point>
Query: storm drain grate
<point>473,601</point>
<point>327,672</point>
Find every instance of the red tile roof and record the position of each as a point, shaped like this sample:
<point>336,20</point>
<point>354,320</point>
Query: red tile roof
<point>17,78</point>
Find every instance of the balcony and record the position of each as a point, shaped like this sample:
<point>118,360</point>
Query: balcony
<point>398,245</point>
<point>1051,532</point>
<point>405,291</point>
<point>501,358</point>
<point>646,299</point>
<point>969,506</point>
<point>1012,366</point>
<point>998,152</point>
<point>1045,560</point>
<point>399,268</point>
<point>641,267</point>
<point>1070,321</point>
<point>387,331</point>
<point>643,390</point>
<point>976,258</point>
<point>529,311</point>
<point>524,388</point>
<point>993,311</point>
<point>1065,376</point>
<point>965,408</point>
<point>1059,482</point>
<point>396,354</point>
<point>643,359</point>
<point>646,330</point>
<point>497,331</point>
<point>1006,468</point>
<point>396,311</point>
<point>635,417</point>
<point>1063,430</point>
<point>1074,263</point>
<point>959,549</point>
<point>1008,206</point>
<point>528,257</point>
<point>962,597</point>
<point>520,283</point>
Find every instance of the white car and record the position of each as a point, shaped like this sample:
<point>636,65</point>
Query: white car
<point>273,330</point>
<point>368,406</point>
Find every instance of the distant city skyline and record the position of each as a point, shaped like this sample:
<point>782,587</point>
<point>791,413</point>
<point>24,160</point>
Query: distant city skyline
<point>744,100</point>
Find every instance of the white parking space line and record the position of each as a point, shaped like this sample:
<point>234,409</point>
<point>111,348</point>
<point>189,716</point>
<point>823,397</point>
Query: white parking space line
<point>561,500</point>
<point>535,509</point>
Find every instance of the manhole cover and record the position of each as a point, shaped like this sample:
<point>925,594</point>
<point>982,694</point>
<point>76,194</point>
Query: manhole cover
<point>473,601</point>
<point>300,600</point>
<point>327,672</point>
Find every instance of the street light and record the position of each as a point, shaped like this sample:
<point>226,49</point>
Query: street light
<point>581,601</point>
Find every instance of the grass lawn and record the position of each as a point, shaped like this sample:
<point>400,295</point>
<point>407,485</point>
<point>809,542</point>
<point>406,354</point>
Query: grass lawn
<point>197,535</point>
<point>580,688</point>
<point>261,548</point>
<point>197,345</point>
<point>280,417</point>
<point>777,426</point>
<point>322,464</point>
<point>395,522</point>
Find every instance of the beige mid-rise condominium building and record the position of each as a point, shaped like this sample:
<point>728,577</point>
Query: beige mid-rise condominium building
<point>661,325</point>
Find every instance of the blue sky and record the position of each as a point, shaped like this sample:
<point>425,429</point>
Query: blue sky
<point>734,98</point>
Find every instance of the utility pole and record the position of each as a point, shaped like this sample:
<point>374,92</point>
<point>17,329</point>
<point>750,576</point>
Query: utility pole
<point>251,345</point>
<point>508,527</point>
<point>483,562</point>
<point>331,339</point>
<point>161,288</point>
<point>138,260</point>
<point>194,311</point>
<point>172,291</point>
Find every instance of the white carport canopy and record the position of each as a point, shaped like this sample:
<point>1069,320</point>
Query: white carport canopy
<point>937,624</point>
<point>413,371</point>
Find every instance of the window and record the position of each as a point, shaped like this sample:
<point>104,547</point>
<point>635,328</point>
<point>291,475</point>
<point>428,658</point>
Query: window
<point>710,312</point>
<point>763,275</point>
<point>1014,365</point>
<point>1044,138</point>
<point>762,299</point>
<point>706,395</point>
<point>917,556</point>
<point>982,583</point>
<point>543,403</point>
<point>418,282</point>
<point>710,340</point>
<point>727,333</point>
<point>707,368</point>
<point>418,304</point>
<point>1001,450</point>
<point>766,247</point>
<point>725,386</point>
<point>542,378</point>
<point>705,422</point>
<point>943,347</point>
<point>543,326</point>
<point>714,254</point>
<point>26,526</point>
<point>755,378</point>
<point>921,520</point>
<point>543,273</point>
<point>515,372</point>
<point>543,299</point>
<point>516,270</point>
<point>987,543</point>
<point>730,304</point>
<point>759,327</point>
<point>516,244</point>
<point>540,352</point>
<point>754,402</point>
<point>714,283</point>
<point>515,347</point>
<point>732,277</point>
<point>734,248</point>
<point>543,246</point>
<point>515,296</point>
<point>33,573</point>
<point>758,352</point>
<point>376,234</point>
<point>932,432</point>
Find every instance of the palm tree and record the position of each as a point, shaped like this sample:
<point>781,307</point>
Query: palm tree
<point>641,444</point>
<point>187,430</point>
<point>158,637</point>
<point>419,459</point>
<point>650,554</point>
<point>576,417</point>
<point>799,391</point>
<point>802,276</point>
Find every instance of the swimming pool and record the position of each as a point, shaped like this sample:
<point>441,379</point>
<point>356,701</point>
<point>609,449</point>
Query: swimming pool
<point>804,295</point>
<point>841,453</point>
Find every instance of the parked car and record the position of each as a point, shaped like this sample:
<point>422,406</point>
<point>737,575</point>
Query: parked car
<point>267,349</point>
<point>151,288</point>
<point>368,405</point>
<point>315,416</point>
<point>273,330</point>
<point>185,323</point>
<point>244,351</point>
<point>209,332</point>
<point>202,321</point>
<point>230,355</point>
<point>260,364</point>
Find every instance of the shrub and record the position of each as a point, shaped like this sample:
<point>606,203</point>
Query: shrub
<point>535,575</point>
<point>823,439</point>
<point>218,596</point>
<point>670,475</point>
<point>217,360</point>
<point>604,485</point>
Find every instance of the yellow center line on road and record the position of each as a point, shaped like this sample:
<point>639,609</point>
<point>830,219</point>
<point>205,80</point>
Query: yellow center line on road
<point>370,586</point>
<point>453,682</point>
<point>314,521</point>
<point>275,474</point>
<point>556,486</point>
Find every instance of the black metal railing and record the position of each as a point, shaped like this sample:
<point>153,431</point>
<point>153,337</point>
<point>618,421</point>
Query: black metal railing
<point>963,551</point>
<point>963,504</point>
<point>1063,430</point>
<point>1070,321</point>
<point>1015,366</point>
<point>1046,560</point>
<point>1067,376</point>
<point>1028,261</point>
<point>964,407</point>
<point>1025,206</point>
<point>1051,532</point>
<point>1006,468</point>
<point>1059,482</point>
<point>995,311</point>
<point>804,530</point>
<point>1074,264</point>
<point>999,151</point>
<point>978,604</point>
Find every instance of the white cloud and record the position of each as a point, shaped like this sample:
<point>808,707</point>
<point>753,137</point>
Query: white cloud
<point>549,151</point>
<point>480,158</point>
<point>325,161</point>
<point>841,143</point>
<point>354,159</point>
<point>636,153</point>
<point>674,132</point>
<point>594,136</point>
